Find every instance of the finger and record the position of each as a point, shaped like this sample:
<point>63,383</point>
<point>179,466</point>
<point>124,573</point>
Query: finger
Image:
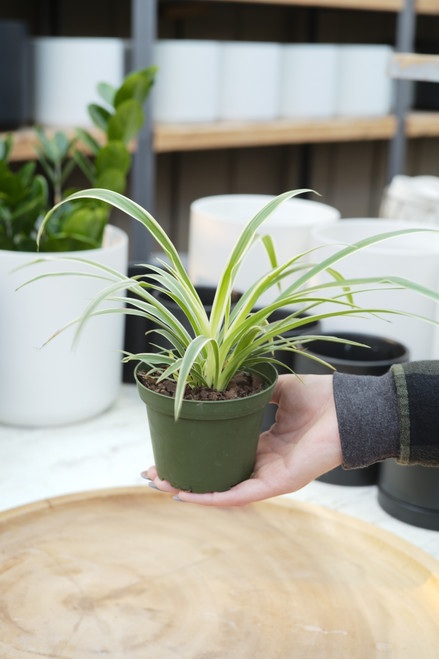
<point>164,486</point>
<point>150,474</point>
<point>239,495</point>
<point>157,483</point>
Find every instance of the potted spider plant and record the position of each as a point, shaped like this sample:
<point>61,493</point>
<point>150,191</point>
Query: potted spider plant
<point>223,372</point>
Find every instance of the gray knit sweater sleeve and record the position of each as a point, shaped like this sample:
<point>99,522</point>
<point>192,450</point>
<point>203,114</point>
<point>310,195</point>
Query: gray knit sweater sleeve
<point>395,415</point>
<point>368,418</point>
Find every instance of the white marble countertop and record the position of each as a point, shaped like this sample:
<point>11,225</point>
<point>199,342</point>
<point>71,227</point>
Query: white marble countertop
<point>112,449</point>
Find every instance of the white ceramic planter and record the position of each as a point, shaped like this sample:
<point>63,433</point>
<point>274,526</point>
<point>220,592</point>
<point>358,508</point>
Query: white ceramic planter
<point>364,86</point>
<point>412,198</point>
<point>55,384</point>
<point>308,81</point>
<point>216,222</point>
<point>414,257</point>
<point>66,71</point>
<point>186,89</point>
<point>249,81</point>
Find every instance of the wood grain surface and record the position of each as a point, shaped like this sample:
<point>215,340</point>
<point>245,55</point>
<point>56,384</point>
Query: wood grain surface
<point>129,573</point>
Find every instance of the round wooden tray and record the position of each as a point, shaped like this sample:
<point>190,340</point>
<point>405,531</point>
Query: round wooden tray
<point>129,573</point>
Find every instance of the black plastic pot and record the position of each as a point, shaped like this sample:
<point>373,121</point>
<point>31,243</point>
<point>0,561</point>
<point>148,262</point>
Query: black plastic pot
<point>135,330</point>
<point>14,74</point>
<point>287,358</point>
<point>410,493</point>
<point>375,360</point>
<point>426,94</point>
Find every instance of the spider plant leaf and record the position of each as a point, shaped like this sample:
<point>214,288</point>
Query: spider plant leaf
<point>267,242</point>
<point>183,296</point>
<point>177,345</point>
<point>339,278</point>
<point>242,245</point>
<point>247,338</point>
<point>193,351</point>
<point>148,358</point>
<point>135,211</point>
<point>344,252</point>
<point>67,273</point>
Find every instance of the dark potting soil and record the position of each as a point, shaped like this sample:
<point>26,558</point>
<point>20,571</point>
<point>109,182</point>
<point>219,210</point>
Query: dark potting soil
<point>240,386</point>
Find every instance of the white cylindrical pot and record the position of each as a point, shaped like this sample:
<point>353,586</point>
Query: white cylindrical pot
<point>216,223</point>
<point>308,81</point>
<point>364,85</point>
<point>414,257</point>
<point>412,198</point>
<point>66,72</point>
<point>57,384</point>
<point>186,89</point>
<point>249,81</point>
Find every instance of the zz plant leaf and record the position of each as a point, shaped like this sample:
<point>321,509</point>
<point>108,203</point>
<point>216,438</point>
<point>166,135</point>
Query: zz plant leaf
<point>80,224</point>
<point>23,200</point>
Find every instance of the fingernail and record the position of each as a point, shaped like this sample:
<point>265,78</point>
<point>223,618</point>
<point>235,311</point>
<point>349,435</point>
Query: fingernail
<point>176,498</point>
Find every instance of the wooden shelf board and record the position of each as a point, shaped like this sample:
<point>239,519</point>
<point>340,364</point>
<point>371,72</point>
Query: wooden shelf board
<point>228,134</point>
<point>422,124</point>
<point>372,5</point>
<point>25,140</point>
<point>422,6</point>
<point>413,66</point>
<point>427,7</point>
<point>193,137</point>
<point>187,137</point>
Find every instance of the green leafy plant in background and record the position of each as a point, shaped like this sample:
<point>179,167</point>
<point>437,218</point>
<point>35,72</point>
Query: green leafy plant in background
<point>23,201</point>
<point>54,155</point>
<point>80,225</point>
<point>231,340</point>
<point>75,225</point>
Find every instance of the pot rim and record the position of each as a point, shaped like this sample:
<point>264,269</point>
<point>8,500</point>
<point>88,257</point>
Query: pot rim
<point>365,338</point>
<point>196,408</point>
<point>113,240</point>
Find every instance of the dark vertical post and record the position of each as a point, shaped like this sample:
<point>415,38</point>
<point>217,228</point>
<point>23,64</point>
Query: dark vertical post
<point>143,31</point>
<point>405,37</point>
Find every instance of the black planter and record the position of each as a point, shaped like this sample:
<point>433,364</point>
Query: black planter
<point>135,330</point>
<point>375,360</point>
<point>14,74</point>
<point>426,94</point>
<point>410,493</point>
<point>287,358</point>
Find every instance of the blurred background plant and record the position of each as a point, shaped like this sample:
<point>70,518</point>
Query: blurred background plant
<point>25,196</point>
<point>23,201</point>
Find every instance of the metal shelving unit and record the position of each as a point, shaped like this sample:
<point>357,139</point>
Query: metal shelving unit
<point>167,138</point>
<point>396,128</point>
<point>143,29</point>
<point>405,38</point>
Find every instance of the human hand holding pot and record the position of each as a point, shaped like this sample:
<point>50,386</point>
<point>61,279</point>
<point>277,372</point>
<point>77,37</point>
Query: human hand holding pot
<point>303,443</point>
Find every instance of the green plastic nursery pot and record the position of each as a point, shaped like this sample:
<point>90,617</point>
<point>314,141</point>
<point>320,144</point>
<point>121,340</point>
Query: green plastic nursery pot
<point>213,444</point>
